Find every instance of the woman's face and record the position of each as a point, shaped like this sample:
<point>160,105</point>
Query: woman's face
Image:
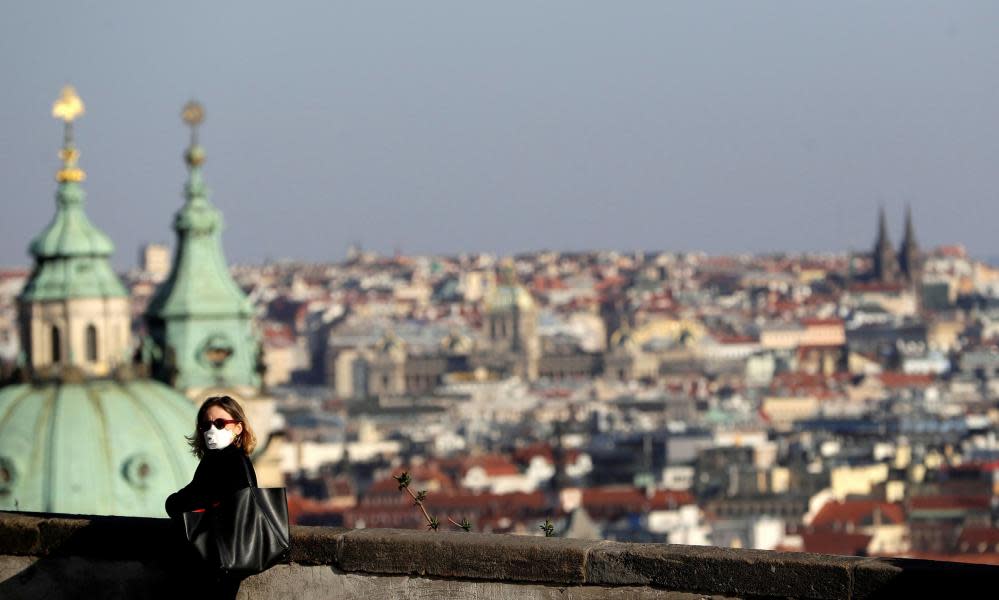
<point>217,412</point>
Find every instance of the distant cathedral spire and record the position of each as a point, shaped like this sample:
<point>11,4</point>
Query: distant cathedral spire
<point>885,266</point>
<point>200,319</point>
<point>908,254</point>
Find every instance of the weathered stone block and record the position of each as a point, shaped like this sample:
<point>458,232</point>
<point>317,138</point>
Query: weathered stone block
<point>465,555</point>
<point>720,570</point>
<point>316,545</point>
<point>19,534</point>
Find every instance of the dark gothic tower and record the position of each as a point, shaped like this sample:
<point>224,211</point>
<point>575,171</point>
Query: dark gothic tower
<point>885,266</point>
<point>908,253</point>
<point>614,314</point>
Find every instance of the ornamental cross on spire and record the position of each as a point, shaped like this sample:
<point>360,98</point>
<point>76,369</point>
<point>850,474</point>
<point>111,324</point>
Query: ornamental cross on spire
<point>194,114</point>
<point>68,107</point>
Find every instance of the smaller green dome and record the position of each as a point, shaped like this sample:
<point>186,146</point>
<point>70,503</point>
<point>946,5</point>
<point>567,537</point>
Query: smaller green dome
<point>71,255</point>
<point>70,233</point>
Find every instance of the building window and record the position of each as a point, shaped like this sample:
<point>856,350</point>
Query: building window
<point>56,345</point>
<point>91,343</point>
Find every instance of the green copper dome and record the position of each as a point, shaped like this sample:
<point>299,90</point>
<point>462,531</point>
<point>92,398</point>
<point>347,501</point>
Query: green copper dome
<point>98,447</point>
<point>70,233</point>
<point>508,295</point>
<point>71,255</point>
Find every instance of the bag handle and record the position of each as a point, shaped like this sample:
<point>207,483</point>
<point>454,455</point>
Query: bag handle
<point>251,477</point>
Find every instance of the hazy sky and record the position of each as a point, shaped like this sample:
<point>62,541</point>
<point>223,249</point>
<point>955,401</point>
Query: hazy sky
<point>506,126</point>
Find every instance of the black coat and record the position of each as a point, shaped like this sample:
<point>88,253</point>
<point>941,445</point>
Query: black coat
<point>219,475</point>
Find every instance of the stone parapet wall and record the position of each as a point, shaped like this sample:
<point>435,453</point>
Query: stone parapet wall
<point>121,557</point>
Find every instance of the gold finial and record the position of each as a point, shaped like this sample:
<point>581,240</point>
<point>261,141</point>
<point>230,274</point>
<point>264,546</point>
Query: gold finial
<point>193,114</point>
<point>69,106</point>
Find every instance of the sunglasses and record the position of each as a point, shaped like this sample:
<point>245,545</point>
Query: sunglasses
<point>218,423</point>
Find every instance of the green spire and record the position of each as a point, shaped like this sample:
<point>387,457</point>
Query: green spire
<point>71,255</point>
<point>199,284</point>
<point>199,316</point>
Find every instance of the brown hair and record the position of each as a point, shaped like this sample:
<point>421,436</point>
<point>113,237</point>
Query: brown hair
<point>246,440</point>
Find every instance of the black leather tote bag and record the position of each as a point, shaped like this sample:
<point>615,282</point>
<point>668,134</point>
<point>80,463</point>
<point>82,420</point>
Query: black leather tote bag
<point>246,534</point>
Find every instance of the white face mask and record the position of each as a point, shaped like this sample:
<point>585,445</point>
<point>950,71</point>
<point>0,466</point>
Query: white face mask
<point>217,439</point>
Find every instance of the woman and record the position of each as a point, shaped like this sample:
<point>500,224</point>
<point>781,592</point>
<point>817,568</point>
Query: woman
<point>223,441</point>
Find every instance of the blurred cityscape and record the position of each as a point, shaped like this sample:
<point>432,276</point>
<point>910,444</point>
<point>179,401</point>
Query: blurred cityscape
<point>832,403</point>
<point>837,403</point>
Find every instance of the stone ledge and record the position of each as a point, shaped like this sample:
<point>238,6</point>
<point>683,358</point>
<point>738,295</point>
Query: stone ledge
<point>721,570</point>
<point>517,559</point>
<point>465,555</point>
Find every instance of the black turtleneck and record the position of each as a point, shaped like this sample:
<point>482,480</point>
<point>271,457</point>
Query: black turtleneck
<point>219,475</point>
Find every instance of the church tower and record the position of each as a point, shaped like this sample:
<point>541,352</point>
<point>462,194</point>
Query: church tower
<point>199,319</point>
<point>82,434</point>
<point>74,312</point>
<point>511,324</point>
<point>908,254</point>
<point>885,265</point>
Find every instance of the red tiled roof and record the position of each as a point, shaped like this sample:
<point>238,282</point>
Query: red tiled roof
<point>670,498</point>
<point>420,475</point>
<point>983,467</point>
<point>481,509</point>
<point>493,464</point>
<point>298,506</point>
<point>632,499</point>
<point>541,284</point>
<point>500,470</point>
<point>835,542</point>
<point>527,453</point>
<point>814,321</point>
<point>974,536</point>
<point>858,512</point>
<point>953,251</point>
<point>892,379</point>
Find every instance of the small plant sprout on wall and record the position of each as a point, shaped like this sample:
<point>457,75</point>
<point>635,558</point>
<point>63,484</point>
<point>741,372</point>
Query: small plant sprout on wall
<point>433,523</point>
